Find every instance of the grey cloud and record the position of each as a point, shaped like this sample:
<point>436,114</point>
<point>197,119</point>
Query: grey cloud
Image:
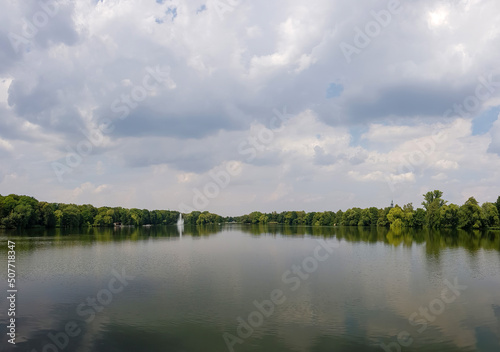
<point>45,105</point>
<point>144,122</point>
<point>419,99</point>
<point>323,158</point>
<point>42,24</point>
<point>60,28</point>
<point>8,56</point>
<point>266,158</point>
<point>229,74</point>
<point>183,155</point>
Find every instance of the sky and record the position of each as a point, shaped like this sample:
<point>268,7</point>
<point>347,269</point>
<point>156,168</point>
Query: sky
<point>234,106</point>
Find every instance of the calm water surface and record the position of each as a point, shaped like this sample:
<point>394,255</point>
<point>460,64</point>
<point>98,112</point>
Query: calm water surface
<point>334,289</point>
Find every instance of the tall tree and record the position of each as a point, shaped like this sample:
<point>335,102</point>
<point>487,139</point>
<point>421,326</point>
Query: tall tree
<point>432,204</point>
<point>432,196</point>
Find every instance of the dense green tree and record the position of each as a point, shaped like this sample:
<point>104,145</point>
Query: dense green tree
<point>48,219</point>
<point>255,216</point>
<point>351,217</point>
<point>24,211</point>
<point>22,214</point>
<point>145,217</point>
<point>153,216</point>
<point>382,217</point>
<point>432,196</point>
<point>490,214</point>
<point>136,215</point>
<point>373,216</point>
<point>433,214</point>
<point>449,215</point>
<point>396,216</point>
<point>338,217</point>
<point>70,216</point>
<point>317,219</point>
<point>301,218</point>
<point>87,214</point>
<point>329,218</point>
<point>9,203</point>
<point>432,204</point>
<point>364,219</point>
<point>208,218</point>
<point>309,218</point>
<point>419,218</point>
<point>203,219</point>
<point>470,215</point>
<point>408,215</point>
<point>105,217</point>
<point>263,219</point>
<point>290,217</point>
<point>125,217</point>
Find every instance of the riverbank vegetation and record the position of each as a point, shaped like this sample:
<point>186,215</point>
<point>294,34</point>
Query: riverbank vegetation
<point>27,212</point>
<point>436,213</point>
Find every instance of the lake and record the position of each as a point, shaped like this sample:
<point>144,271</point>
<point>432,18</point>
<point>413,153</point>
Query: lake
<point>254,288</point>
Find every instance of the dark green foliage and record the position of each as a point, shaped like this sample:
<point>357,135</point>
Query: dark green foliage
<point>437,214</point>
<point>497,204</point>
<point>419,218</point>
<point>382,217</point>
<point>23,212</point>
<point>470,215</point>
<point>450,215</point>
<point>364,220</point>
<point>432,204</point>
<point>351,217</point>
<point>491,215</point>
<point>373,214</point>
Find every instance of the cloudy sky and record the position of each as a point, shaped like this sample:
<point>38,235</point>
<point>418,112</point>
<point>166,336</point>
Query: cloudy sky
<point>289,105</point>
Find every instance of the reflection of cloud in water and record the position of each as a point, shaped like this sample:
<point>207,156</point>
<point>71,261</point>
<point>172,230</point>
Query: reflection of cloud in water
<point>365,291</point>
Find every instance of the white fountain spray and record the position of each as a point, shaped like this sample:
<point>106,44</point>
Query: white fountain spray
<point>180,225</point>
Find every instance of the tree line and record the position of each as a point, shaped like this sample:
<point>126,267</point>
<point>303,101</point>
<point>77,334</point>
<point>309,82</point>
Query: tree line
<point>26,212</point>
<point>436,213</point>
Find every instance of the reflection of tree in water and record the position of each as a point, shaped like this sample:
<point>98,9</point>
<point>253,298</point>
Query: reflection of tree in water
<point>434,239</point>
<point>59,237</point>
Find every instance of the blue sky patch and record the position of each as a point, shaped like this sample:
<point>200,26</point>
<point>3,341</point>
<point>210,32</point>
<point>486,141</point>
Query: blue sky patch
<point>172,12</point>
<point>356,132</point>
<point>334,90</point>
<point>483,123</point>
<point>201,9</point>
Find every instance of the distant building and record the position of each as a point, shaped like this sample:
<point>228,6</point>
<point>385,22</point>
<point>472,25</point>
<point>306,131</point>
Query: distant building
<point>392,204</point>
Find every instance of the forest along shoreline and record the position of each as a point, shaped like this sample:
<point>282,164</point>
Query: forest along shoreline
<point>18,211</point>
